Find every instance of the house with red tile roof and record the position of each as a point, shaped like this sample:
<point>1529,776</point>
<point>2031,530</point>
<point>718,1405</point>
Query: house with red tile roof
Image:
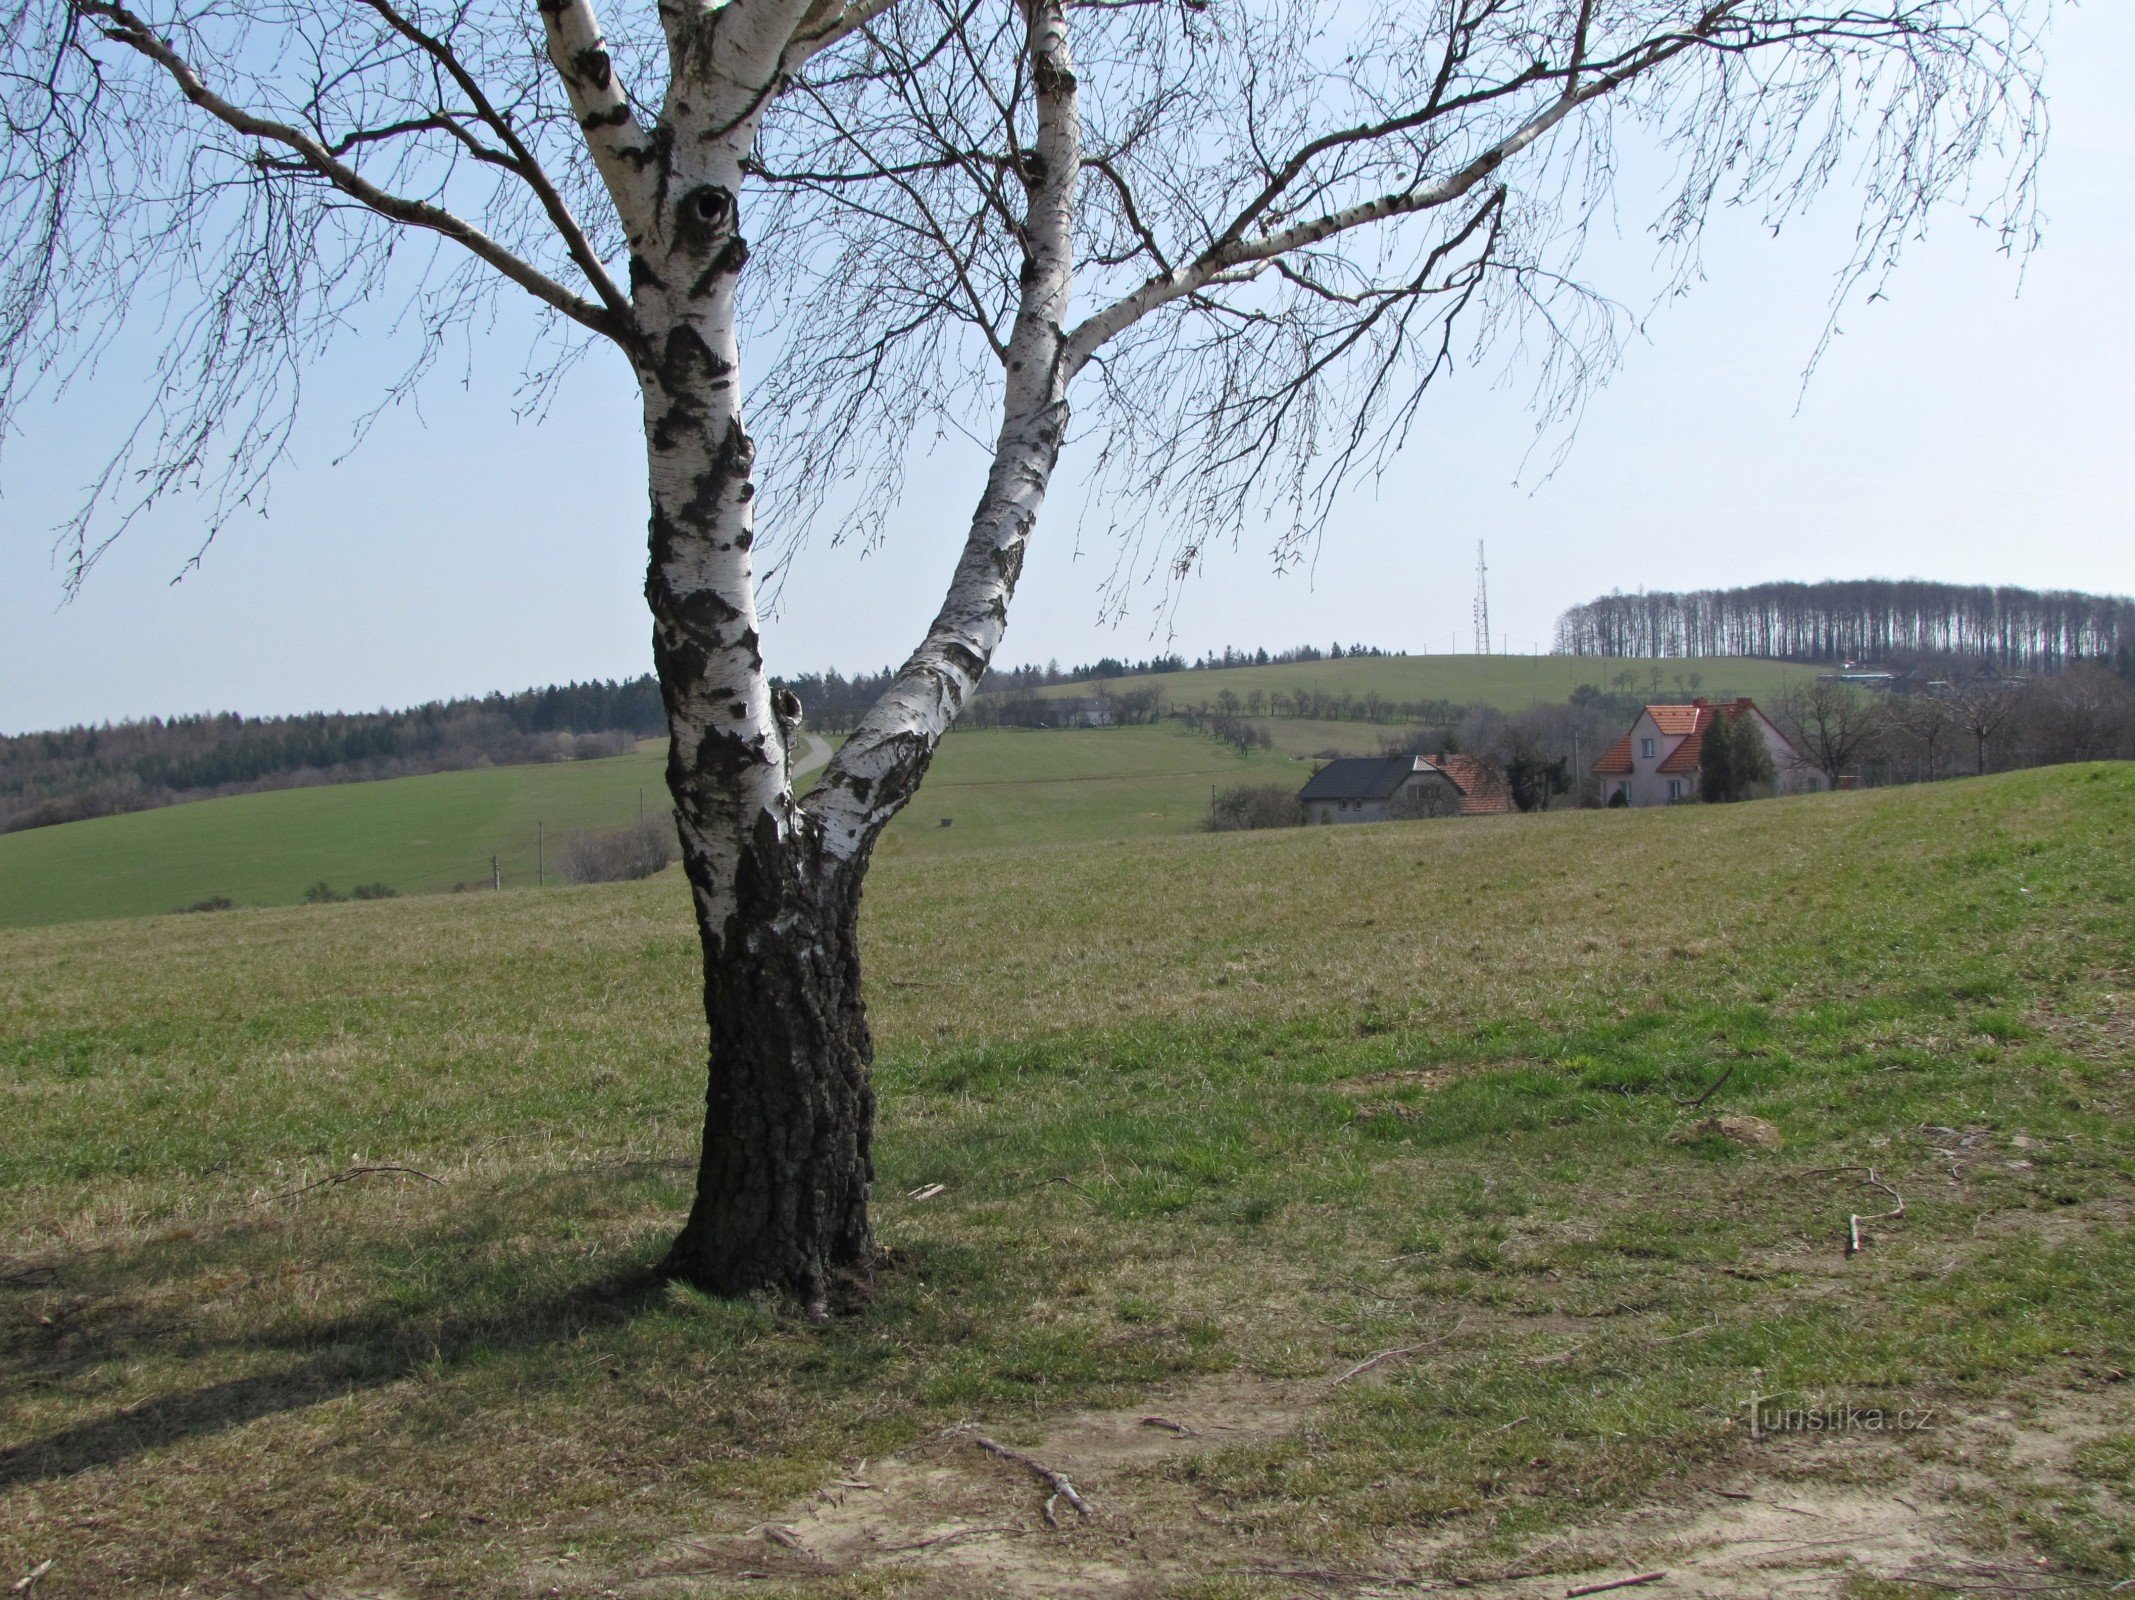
<point>1657,761</point>
<point>1374,788</point>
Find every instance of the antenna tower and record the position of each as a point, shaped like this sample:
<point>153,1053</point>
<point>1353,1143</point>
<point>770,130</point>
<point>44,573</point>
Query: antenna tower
<point>1482,602</point>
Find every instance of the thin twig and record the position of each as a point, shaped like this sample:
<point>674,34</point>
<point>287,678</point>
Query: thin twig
<point>1395,1355</point>
<point>343,1177</point>
<point>1060,1485</point>
<point>1363,1367</point>
<point>951,1537</point>
<point>1614,1583</point>
<point>1853,1223</point>
<point>1692,1105</point>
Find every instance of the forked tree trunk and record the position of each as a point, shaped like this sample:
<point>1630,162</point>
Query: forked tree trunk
<point>789,1113</point>
<point>781,1200</point>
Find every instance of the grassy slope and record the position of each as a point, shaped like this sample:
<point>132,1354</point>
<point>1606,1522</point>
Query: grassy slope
<point>1510,683</point>
<point>431,832</point>
<point>1259,1105</point>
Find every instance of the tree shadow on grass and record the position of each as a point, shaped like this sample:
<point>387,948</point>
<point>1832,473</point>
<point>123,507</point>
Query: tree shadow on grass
<point>98,1309</point>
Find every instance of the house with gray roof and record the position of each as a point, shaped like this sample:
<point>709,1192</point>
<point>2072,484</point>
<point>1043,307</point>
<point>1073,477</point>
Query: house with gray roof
<point>1372,788</point>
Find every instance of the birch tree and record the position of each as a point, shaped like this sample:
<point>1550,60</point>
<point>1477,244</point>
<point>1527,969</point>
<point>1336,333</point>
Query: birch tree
<point>1225,246</point>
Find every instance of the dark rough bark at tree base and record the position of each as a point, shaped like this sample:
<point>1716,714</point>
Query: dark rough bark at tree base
<point>782,1187</point>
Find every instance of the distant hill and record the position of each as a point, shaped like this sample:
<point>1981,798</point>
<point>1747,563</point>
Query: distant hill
<point>72,773</point>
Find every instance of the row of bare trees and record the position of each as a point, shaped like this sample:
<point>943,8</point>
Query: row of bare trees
<point>1865,620</point>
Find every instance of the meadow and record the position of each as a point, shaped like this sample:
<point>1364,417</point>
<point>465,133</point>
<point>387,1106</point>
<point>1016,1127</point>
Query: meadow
<point>998,787</point>
<point>438,832</point>
<point>1347,1211</point>
<point>1505,683</point>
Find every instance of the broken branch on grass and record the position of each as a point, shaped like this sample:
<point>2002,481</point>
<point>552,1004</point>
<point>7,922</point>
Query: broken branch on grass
<point>344,1177</point>
<point>23,1584</point>
<point>1168,1425</point>
<point>1853,1223</point>
<point>1038,1469</point>
<point>1363,1367</point>
<point>1614,1583</point>
<point>1721,1083</point>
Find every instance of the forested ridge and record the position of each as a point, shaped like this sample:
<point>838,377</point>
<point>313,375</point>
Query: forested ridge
<point>1869,619</point>
<point>72,773</point>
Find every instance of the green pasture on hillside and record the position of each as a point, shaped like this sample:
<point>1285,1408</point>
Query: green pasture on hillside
<point>412,834</point>
<point>1337,1205</point>
<point>1506,683</point>
<point>434,833</point>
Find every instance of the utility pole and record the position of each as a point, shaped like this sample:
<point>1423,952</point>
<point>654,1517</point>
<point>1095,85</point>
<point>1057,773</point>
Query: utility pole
<point>1482,602</point>
<point>496,874</point>
<point>541,871</point>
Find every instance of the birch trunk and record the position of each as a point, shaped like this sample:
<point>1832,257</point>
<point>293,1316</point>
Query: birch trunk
<point>782,1184</point>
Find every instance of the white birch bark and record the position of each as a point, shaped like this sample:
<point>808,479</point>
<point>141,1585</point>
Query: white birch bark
<point>881,764</point>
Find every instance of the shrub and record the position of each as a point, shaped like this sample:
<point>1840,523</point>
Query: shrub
<point>1254,805</point>
<point>323,893</point>
<point>637,851</point>
<point>375,891</point>
<point>214,902</point>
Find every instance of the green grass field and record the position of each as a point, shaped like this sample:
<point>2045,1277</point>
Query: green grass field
<point>997,787</point>
<point>1505,683</point>
<point>431,833</point>
<point>1337,1207</point>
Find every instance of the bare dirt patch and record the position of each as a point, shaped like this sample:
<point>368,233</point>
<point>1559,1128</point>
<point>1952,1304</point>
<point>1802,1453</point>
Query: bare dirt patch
<point>948,1518</point>
<point>951,1518</point>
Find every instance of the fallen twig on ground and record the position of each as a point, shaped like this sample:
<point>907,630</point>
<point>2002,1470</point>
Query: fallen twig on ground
<point>1614,1583</point>
<point>28,1580</point>
<point>1060,1485</point>
<point>1853,1223</point>
<point>1363,1367</point>
<point>1854,1242</point>
<point>1395,1355</point>
<point>344,1177</point>
<point>951,1537</point>
<point>1719,1084</point>
<point>1562,1355</point>
<point>1168,1426</point>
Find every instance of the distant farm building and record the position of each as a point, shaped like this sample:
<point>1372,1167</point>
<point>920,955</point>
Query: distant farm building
<point>1658,761</point>
<point>1375,788</point>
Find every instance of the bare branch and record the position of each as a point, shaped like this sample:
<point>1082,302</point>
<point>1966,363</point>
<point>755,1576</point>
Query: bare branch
<point>521,159</point>
<point>125,28</point>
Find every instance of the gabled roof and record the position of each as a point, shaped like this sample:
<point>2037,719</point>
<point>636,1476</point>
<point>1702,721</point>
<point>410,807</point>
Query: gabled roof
<point>1358,778</point>
<point>1688,723</point>
<point>1482,790</point>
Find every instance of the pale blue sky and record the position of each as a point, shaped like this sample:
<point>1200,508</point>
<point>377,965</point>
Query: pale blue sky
<point>1959,430</point>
